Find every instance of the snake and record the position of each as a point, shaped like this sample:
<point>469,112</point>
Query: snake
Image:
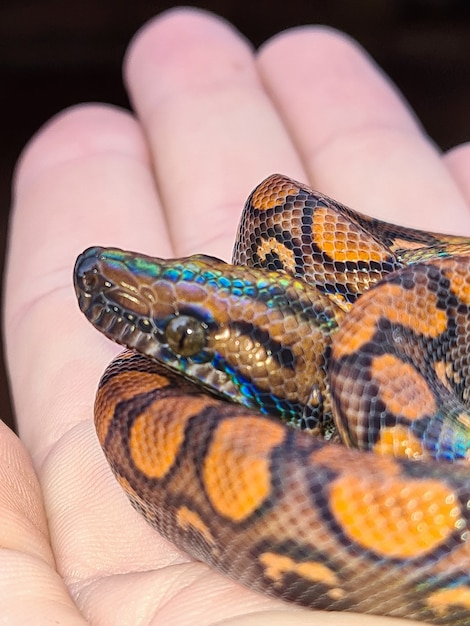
<point>298,419</point>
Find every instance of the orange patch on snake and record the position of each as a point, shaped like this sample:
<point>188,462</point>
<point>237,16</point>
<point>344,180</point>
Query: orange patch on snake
<point>402,389</point>
<point>337,237</point>
<point>445,600</point>
<point>346,342</point>
<point>398,518</point>
<point>414,308</point>
<point>273,192</point>
<point>236,468</point>
<point>276,566</point>
<point>188,519</point>
<point>444,373</point>
<point>405,245</point>
<point>460,282</point>
<point>272,246</point>
<point>119,389</point>
<point>398,441</point>
<point>156,436</point>
<point>328,457</point>
<point>464,418</point>
<point>406,307</point>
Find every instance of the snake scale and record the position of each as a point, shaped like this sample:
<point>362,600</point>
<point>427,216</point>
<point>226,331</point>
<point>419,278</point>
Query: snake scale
<point>299,419</point>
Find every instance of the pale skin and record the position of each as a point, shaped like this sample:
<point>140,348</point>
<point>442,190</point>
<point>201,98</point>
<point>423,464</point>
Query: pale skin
<point>212,119</point>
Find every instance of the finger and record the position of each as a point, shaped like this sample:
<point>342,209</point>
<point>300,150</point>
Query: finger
<point>30,589</point>
<point>83,180</point>
<point>214,134</point>
<point>24,524</point>
<point>458,163</point>
<point>358,139</point>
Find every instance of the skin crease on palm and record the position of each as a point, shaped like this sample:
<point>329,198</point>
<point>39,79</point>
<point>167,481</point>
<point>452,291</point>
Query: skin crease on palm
<point>212,119</point>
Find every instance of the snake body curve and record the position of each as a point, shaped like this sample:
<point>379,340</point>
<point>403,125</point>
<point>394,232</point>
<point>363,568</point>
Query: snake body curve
<point>226,421</point>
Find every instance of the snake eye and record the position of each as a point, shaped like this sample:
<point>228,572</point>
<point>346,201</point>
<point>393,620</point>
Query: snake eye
<point>185,335</point>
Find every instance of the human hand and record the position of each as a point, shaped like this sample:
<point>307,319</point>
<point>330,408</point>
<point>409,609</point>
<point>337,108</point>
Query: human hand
<point>213,121</point>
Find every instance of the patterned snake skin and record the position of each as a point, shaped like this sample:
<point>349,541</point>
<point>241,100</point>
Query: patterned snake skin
<point>299,420</point>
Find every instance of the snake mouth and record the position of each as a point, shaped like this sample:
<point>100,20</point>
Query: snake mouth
<point>101,300</point>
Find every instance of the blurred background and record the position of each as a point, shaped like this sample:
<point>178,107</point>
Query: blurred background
<point>54,54</point>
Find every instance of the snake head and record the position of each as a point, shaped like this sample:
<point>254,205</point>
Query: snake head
<point>136,300</point>
<point>255,336</point>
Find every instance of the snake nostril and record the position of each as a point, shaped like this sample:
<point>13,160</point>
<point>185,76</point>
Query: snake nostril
<point>86,275</point>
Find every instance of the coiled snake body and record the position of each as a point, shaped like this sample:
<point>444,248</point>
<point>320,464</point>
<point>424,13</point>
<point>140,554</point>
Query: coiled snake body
<point>331,328</point>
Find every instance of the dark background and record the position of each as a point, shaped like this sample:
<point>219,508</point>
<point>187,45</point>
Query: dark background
<point>54,54</point>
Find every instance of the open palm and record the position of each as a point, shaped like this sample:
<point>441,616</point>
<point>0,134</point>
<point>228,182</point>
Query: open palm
<point>213,118</point>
